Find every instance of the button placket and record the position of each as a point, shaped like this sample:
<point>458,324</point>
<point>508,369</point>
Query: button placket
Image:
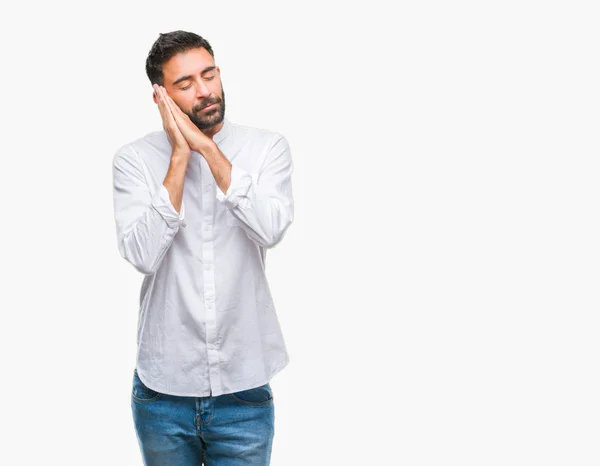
<point>208,209</point>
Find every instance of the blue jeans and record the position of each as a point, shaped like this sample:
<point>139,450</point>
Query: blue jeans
<point>235,429</point>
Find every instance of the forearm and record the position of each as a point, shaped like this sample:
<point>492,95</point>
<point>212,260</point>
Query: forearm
<point>263,201</point>
<point>175,178</point>
<point>219,166</point>
<point>147,240</point>
<point>146,221</point>
<point>265,213</point>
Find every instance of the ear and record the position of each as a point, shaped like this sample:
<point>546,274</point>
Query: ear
<point>154,97</point>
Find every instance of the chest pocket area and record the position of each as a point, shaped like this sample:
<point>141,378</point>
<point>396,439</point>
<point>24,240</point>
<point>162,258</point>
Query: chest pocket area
<point>231,220</point>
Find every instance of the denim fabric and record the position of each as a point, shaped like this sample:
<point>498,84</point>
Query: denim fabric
<point>233,429</point>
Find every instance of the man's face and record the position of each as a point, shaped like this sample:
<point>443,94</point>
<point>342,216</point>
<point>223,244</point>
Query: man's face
<point>194,83</point>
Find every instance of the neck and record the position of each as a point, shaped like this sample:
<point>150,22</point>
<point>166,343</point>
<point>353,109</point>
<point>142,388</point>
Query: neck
<point>210,132</point>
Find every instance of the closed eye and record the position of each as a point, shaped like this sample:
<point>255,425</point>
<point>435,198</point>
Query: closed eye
<point>208,78</point>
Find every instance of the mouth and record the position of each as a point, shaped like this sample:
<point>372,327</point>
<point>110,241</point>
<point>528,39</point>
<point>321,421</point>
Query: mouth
<point>208,107</point>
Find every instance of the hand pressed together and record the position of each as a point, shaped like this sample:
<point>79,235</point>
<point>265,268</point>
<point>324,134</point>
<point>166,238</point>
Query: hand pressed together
<point>178,125</point>
<point>178,142</point>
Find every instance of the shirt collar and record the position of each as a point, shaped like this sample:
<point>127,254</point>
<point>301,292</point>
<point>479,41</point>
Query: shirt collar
<point>223,132</point>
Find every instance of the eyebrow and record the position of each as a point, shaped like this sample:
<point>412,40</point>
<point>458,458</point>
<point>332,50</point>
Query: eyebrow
<point>185,78</point>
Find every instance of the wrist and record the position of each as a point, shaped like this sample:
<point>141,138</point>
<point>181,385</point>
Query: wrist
<point>205,147</point>
<point>180,156</point>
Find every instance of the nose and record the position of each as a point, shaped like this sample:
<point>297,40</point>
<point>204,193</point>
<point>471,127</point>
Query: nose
<point>202,90</point>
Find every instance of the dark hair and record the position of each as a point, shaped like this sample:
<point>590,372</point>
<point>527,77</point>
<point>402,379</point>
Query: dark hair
<point>167,46</point>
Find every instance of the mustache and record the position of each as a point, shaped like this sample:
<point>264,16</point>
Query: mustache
<point>199,107</point>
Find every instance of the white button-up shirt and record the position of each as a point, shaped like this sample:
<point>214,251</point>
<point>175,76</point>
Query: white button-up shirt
<point>207,323</point>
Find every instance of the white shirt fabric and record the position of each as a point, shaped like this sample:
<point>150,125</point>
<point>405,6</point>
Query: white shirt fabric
<point>207,322</point>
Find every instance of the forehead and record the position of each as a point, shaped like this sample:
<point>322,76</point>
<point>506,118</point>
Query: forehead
<point>190,62</point>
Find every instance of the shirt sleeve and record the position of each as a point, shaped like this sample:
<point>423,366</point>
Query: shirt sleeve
<point>263,202</point>
<point>146,223</point>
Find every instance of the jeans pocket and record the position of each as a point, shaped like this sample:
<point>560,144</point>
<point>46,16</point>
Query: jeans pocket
<point>258,396</point>
<point>140,392</point>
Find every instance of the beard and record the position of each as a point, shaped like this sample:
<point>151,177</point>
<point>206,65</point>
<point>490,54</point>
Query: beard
<point>205,120</point>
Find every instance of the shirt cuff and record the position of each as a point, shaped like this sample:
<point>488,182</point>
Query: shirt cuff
<point>237,193</point>
<point>162,203</point>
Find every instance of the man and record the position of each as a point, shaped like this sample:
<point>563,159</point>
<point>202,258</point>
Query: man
<point>196,208</point>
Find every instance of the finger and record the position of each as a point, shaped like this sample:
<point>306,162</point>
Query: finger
<point>176,109</point>
<point>159,96</point>
<point>176,115</point>
<point>167,108</point>
<point>176,112</point>
<point>174,124</point>
<point>184,117</point>
<point>160,102</point>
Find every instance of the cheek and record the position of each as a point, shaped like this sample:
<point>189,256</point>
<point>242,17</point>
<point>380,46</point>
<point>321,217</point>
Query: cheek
<point>216,89</point>
<point>186,101</point>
